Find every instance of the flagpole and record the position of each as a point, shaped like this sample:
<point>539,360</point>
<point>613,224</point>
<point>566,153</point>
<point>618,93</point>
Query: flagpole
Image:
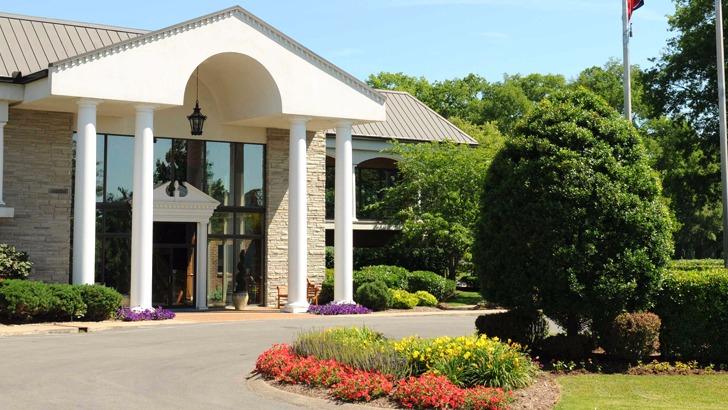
<point>722,122</point>
<point>625,59</point>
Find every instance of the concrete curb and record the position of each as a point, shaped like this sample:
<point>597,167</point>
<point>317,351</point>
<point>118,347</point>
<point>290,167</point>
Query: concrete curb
<point>261,387</point>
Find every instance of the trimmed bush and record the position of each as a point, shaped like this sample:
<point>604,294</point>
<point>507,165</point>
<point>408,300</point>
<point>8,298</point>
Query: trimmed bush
<point>693,306</point>
<point>430,282</point>
<point>392,276</point>
<point>23,301</point>
<point>66,303</point>
<point>633,336</point>
<point>374,295</point>
<point>327,288</point>
<point>563,347</point>
<point>521,326</point>
<point>573,220</point>
<point>14,264</point>
<point>425,298</point>
<point>401,299</point>
<point>101,302</point>
<point>329,257</point>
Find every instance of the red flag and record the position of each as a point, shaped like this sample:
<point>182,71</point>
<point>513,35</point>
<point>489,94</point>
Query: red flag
<point>633,5</point>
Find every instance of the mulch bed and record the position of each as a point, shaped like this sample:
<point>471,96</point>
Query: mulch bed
<point>541,395</point>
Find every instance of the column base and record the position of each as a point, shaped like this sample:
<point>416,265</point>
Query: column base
<point>296,308</point>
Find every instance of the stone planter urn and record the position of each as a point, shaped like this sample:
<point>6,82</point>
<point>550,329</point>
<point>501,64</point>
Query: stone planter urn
<point>240,300</point>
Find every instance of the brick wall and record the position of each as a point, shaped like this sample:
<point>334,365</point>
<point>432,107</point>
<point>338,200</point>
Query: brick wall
<point>276,268</point>
<point>38,159</point>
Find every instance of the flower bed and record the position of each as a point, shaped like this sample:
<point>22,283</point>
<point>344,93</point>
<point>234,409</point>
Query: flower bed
<point>346,383</point>
<point>338,309</point>
<point>134,315</point>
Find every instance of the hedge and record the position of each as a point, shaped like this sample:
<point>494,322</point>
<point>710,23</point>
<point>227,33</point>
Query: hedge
<point>23,301</point>
<point>693,306</point>
<point>392,276</point>
<point>430,282</point>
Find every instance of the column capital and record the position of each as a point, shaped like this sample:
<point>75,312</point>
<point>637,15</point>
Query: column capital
<point>88,102</point>
<point>299,120</point>
<point>145,107</point>
<point>344,123</point>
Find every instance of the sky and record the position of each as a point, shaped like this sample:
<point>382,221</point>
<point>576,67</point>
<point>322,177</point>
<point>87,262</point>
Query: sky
<point>437,39</point>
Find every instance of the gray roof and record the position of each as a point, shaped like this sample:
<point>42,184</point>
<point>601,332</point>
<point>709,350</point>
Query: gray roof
<point>30,44</point>
<point>410,119</point>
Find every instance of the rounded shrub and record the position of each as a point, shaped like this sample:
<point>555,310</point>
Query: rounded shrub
<point>66,303</point>
<point>14,264</point>
<point>425,298</point>
<point>633,336</point>
<point>392,276</point>
<point>23,301</point>
<point>374,295</point>
<point>401,299</point>
<point>527,327</point>
<point>101,302</point>
<point>567,347</point>
<point>326,294</point>
<point>430,282</point>
<point>572,219</point>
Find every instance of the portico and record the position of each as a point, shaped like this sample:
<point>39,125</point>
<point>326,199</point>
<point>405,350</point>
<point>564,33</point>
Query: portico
<point>252,79</point>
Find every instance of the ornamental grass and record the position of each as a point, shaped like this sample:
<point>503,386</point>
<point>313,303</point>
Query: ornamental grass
<point>359,347</point>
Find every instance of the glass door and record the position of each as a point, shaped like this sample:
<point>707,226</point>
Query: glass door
<point>174,264</point>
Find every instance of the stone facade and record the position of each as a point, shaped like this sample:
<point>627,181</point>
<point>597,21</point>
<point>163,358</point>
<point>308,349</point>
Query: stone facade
<point>38,161</point>
<point>276,261</point>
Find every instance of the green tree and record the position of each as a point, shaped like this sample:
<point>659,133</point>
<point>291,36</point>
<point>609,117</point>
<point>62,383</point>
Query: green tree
<point>607,82</point>
<point>687,170</point>
<point>572,220</point>
<point>537,86</point>
<point>683,86</point>
<point>435,199</point>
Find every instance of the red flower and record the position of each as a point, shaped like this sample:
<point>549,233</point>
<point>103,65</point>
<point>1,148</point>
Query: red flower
<point>486,398</point>
<point>358,385</point>
<point>428,392</point>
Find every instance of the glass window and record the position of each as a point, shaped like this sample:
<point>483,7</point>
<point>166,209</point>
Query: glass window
<point>100,168</point>
<point>249,268</point>
<point>330,184</point>
<point>252,190</point>
<point>370,186</point>
<point>119,168</point>
<point>167,152</point>
<point>249,224</point>
<point>219,172</point>
<point>221,263</point>
<point>221,223</point>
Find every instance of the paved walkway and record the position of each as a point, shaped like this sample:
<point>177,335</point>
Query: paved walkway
<point>171,366</point>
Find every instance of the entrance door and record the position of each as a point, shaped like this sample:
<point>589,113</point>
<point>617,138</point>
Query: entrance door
<point>174,265</point>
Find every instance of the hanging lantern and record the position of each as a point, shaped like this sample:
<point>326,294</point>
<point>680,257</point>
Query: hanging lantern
<point>197,120</point>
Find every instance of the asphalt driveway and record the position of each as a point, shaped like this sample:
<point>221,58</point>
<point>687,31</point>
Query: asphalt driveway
<point>193,366</point>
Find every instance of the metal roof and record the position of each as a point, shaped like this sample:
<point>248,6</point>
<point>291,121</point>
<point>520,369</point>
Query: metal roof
<point>29,44</point>
<point>410,119</point>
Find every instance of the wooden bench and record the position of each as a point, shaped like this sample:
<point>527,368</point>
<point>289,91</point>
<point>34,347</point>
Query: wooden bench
<point>312,293</point>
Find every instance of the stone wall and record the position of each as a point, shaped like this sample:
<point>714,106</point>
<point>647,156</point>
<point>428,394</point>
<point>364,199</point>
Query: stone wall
<point>276,268</point>
<point>38,160</point>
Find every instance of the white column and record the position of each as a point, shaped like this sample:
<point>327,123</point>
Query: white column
<point>142,220</point>
<point>84,199</point>
<point>343,217</point>
<point>297,219</point>
<point>201,280</point>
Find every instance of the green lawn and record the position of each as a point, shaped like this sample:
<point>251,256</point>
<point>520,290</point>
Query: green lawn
<point>461,298</point>
<point>617,391</point>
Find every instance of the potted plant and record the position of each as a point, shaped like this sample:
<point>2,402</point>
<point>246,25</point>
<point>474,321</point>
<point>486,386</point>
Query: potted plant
<point>240,296</point>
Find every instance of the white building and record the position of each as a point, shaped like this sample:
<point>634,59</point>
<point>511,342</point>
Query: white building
<point>102,181</point>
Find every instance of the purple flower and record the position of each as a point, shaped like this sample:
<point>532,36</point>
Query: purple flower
<point>136,314</point>
<point>338,309</point>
